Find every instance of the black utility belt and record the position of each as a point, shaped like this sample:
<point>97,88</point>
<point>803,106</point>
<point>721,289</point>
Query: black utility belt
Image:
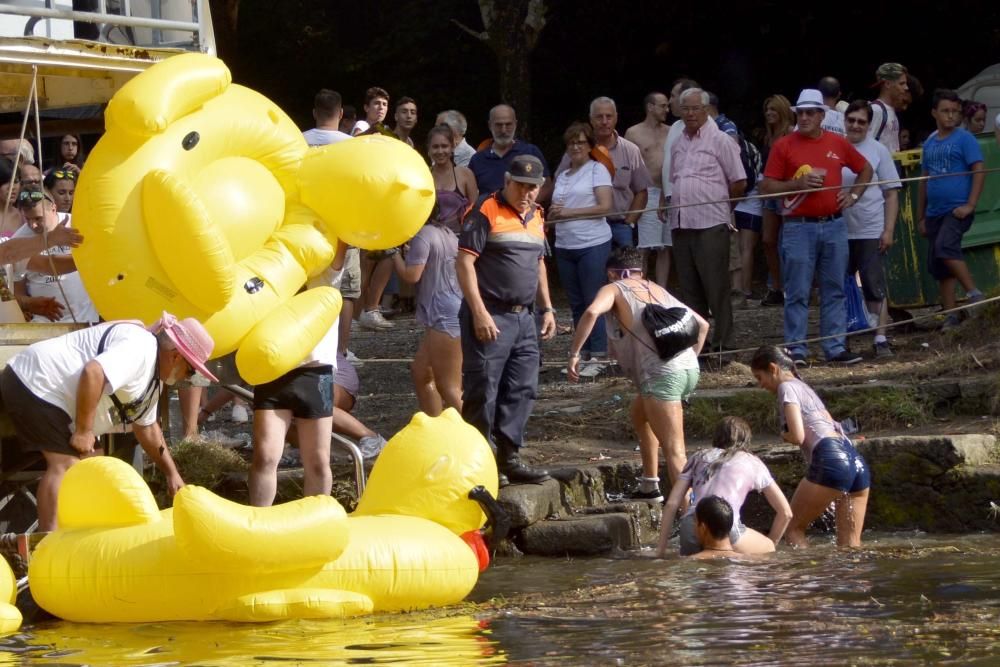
<point>501,307</point>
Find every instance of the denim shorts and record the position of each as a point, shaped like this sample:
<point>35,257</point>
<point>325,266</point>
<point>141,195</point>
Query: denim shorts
<point>688,537</point>
<point>836,464</point>
<point>674,386</point>
<point>944,241</point>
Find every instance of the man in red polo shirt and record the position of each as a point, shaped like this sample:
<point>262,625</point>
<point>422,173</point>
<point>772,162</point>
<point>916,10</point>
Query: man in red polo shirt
<point>501,272</point>
<point>814,233</point>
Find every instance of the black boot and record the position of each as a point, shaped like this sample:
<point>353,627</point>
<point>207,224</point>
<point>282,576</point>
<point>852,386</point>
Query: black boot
<point>510,465</point>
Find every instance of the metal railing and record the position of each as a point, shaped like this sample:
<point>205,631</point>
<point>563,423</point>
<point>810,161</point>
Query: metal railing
<point>200,26</point>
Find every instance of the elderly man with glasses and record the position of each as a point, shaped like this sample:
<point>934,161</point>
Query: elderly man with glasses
<point>705,171</point>
<point>814,234</point>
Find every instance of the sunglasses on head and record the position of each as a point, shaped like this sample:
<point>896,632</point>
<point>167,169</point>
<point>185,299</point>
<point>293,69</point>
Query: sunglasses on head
<point>64,175</point>
<point>31,197</point>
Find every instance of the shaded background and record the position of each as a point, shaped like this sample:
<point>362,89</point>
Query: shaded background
<point>741,51</point>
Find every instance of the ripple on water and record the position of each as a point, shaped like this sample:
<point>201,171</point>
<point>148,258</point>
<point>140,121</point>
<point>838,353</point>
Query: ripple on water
<point>900,600</point>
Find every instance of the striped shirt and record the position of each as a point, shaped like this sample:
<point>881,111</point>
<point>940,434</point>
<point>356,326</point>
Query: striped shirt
<point>702,166</point>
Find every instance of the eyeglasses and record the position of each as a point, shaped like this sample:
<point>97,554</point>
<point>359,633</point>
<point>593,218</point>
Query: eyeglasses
<point>31,197</point>
<point>856,121</point>
<point>692,109</point>
<point>578,143</point>
<point>64,175</point>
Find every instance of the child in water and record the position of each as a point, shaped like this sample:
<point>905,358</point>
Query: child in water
<point>727,469</point>
<point>837,472</point>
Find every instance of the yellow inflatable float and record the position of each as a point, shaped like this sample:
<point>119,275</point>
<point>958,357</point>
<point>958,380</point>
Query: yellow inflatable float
<point>203,199</point>
<point>10,616</point>
<point>413,541</point>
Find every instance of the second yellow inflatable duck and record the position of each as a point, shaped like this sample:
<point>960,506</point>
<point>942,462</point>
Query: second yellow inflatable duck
<point>116,557</point>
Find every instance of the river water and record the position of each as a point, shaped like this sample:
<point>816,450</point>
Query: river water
<point>903,599</point>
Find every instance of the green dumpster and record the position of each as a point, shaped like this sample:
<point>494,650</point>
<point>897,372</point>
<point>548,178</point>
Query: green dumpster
<point>910,284</point>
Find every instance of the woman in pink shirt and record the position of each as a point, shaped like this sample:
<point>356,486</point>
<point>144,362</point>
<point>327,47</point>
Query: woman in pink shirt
<point>728,470</point>
<point>837,472</point>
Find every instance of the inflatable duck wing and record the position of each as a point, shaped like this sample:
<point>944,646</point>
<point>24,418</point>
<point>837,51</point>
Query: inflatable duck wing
<point>194,201</point>
<point>115,557</point>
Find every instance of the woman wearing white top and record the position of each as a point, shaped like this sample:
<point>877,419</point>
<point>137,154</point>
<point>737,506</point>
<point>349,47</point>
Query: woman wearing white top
<point>580,202</point>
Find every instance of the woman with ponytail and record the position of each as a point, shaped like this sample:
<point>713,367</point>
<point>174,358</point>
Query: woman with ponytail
<point>728,470</point>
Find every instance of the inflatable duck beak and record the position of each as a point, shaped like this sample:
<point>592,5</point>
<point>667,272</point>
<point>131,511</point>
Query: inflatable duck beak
<point>475,540</point>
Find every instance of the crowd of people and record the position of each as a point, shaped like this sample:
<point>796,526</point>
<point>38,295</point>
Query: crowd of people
<point>816,186</point>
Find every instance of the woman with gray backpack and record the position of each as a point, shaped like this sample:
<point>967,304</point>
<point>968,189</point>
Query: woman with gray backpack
<point>656,340</point>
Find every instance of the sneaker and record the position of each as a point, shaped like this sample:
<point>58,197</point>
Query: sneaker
<point>371,446</point>
<point>846,357</point>
<point>882,350</point>
<point>239,415</point>
<point>653,496</point>
<point>773,298</point>
<point>592,368</point>
<point>799,360</point>
<point>953,321</point>
<point>353,358</point>
<point>373,321</point>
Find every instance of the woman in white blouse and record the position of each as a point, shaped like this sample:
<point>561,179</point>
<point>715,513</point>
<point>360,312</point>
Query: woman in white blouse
<point>580,202</point>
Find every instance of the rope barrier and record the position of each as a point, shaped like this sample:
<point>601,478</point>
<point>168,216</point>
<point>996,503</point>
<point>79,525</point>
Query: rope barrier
<point>745,350</point>
<point>736,200</point>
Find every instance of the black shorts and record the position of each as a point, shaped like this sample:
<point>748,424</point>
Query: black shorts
<point>40,426</point>
<point>867,260</point>
<point>307,392</point>
<point>748,221</point>
<point>944,241</point>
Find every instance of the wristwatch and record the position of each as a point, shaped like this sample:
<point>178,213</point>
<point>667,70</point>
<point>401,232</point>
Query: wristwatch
<point>550,309</point>
<point>855,197</point>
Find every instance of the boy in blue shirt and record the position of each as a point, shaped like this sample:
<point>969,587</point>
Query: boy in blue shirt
<point>946,206</point>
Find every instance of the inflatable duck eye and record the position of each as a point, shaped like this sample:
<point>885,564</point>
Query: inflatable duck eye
<point>190,140</point>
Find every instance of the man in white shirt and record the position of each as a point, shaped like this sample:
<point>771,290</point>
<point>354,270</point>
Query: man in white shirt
<point>64,392</point>
<point>891,80</point>
<point>871,221</point>
<point>58,279</point>
<point>328,110</point>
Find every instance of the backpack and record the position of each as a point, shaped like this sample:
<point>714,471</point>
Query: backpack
<point>751,160</point>
<point>885,119</point>
<point>673,330</point>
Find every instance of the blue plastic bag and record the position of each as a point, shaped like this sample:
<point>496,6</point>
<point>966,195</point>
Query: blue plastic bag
<point>857,314</point>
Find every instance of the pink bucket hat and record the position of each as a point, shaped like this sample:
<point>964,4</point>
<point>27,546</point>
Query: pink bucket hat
<point>192,340</point>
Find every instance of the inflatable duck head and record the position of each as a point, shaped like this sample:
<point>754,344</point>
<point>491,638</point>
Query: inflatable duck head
<point>197,201</point>
<point>427,470</point>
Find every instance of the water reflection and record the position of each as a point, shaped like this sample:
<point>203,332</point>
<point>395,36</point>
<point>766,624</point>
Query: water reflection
<point>412,639</point>
<point>898,601</point>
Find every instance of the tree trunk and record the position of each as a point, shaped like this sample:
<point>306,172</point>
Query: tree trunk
<point>511,30</point>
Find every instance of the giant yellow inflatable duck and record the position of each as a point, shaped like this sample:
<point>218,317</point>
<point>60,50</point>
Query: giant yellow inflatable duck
<point>116,557</point>
<point>203,199</point>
